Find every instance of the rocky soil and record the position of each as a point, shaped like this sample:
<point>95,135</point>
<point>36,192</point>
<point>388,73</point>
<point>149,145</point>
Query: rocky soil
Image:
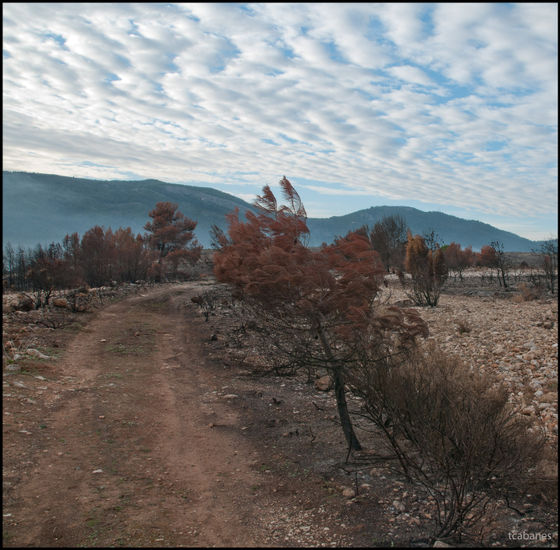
<point>517,339</point>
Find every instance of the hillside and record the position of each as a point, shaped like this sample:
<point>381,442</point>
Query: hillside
<point>449,228</point>
<point>41,208</point>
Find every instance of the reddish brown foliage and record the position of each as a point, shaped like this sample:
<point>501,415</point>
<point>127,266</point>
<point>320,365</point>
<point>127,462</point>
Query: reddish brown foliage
<point>323,299</point>
<point>171,234</point>
<point>488,256</point>
<point>103,256</point>
<point>457,259</point>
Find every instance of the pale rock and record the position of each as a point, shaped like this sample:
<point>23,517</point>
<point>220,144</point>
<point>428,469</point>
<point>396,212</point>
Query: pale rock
<point>548,397</point>
<point>324,383</point>
<point>399,506</point>
<point>36,353</point>
<point>24,303</point>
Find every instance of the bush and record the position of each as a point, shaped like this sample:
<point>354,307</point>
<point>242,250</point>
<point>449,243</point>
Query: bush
<point>428,270</point>
<point>527,293</point>
<point>452,431</point>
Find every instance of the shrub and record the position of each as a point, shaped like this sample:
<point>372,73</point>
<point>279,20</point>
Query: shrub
<point>428,270</point>
<point>527,293</point>
<point>452,431</point>
<point>463,326</point>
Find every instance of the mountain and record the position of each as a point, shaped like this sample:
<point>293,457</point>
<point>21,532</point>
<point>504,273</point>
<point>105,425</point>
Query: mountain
<point>448,228</point>
<point>42,208</point>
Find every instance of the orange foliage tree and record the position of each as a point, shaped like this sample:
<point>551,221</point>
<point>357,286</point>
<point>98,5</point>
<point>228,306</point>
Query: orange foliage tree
<point>317,305</point>
<point>106,256</point>
<point>132,258</point>
<point>71,248</point>
<point>97,255</point>
<point>171,234</point>
<point>458,259</point>
<point>428,270</point>
<point>493,255</point>
<point>47,272</point>
<point>488,256</point>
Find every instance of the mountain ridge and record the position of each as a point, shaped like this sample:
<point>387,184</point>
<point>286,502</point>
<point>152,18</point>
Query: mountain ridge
<point>41,208</point>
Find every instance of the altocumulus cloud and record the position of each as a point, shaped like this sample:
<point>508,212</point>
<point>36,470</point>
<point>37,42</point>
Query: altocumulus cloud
<point>443,103</point>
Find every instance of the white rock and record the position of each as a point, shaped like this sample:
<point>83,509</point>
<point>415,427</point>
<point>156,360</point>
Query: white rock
<point>399,506</point>
<point>36,353</point>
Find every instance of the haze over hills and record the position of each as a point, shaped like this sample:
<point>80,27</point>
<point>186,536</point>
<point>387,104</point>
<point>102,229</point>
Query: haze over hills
<point>42,208</point>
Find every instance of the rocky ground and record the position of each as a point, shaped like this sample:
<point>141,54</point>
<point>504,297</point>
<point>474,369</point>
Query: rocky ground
<point>511,333</point>
<point>283,480</point>
<point>505,334</point>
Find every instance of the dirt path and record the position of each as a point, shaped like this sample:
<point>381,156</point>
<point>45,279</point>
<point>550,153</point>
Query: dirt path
<point>141,451</point>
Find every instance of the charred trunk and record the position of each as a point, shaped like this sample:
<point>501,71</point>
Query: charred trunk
<point>342,406</point>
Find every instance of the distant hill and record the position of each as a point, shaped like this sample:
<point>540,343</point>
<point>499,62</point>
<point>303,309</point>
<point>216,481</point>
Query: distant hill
<point>448,228</point>
<point>42,208</point>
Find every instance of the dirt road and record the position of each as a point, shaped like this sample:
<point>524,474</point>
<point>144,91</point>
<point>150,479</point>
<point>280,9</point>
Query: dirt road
<point>141,450</point>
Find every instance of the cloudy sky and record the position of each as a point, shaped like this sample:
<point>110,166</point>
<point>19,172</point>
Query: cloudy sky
<point>449,107</point>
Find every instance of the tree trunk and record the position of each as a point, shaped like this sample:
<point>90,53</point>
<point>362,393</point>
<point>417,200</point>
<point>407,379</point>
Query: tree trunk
<point>503,276</point>
<point>343,414</point>
<point>340,395</point>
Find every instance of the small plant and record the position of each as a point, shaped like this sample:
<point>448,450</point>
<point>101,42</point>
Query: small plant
<point>207,302</point>
<point>463,327</point>
<point>54,320</point>
<point>527,293</point>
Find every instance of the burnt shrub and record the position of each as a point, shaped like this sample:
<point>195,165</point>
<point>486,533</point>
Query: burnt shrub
<point>452,433</point>
<point>428,270</point>
<point>527,293</point>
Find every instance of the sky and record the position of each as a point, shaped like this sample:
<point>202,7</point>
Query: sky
<point>449,107</point>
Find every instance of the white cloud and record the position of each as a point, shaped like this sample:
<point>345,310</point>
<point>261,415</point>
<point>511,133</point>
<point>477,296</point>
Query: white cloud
<point>449,102</point>
<point>411,74</point>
